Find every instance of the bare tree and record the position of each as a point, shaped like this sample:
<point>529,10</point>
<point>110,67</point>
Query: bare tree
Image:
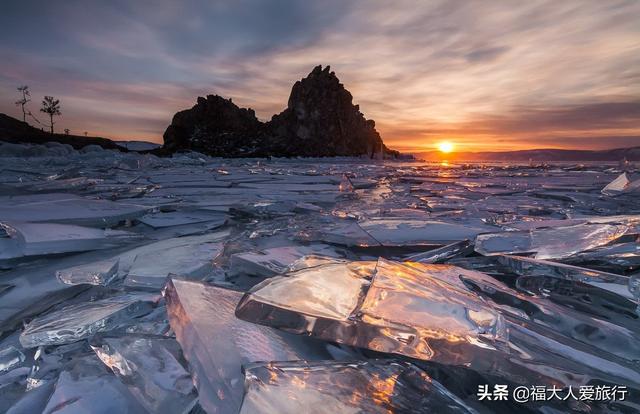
<point>24,89</point>
<point>51,107</point>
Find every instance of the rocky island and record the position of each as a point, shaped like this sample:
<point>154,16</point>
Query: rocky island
<point>320,121</point>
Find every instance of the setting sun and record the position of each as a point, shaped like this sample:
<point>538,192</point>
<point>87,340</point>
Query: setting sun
<point>445,146</point>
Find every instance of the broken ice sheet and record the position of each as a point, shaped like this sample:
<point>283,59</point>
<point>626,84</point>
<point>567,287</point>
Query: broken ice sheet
<point>621,256</point>
<point>150,367</point>
<point>384,306</point>
<point>526,266</point>
<point>67,209</point>
<point>79,321</point>
<point>549,243</point>
<point>346,186</point>
<point>217,344</point>
<point>87,387</point>
<point>620,185</point>
<point>184,256</point>
<point>10,357</point>
<point>97,273</point>
<point>376,386</point>
<point>36,239</point>
<point>269,262</point>
<point>178,218</point>
<point>406,232</point>
<point>457,249</point>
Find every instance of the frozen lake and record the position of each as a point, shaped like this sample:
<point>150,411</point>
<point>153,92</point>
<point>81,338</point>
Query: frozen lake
<point>132,283</point>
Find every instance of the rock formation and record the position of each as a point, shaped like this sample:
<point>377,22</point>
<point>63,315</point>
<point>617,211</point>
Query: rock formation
<point>320,120</point>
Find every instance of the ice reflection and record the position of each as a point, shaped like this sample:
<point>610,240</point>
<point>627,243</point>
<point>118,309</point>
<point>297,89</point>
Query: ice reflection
<point>355,387</point>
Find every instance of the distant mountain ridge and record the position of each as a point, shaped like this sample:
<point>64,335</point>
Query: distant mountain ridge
<point>545,154</point>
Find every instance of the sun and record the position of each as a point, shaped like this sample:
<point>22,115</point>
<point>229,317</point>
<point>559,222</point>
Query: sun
<point>445,146</point>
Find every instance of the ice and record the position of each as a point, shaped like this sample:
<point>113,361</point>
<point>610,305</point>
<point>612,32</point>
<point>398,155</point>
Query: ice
<point>621,256</point>
<point>184,256</point>
<point>217,344</point>
<point>564,314</point>
<point>385,306</point>
<point>525,266</point>
<point>150,368</point>
<point>354,387</point>
<point>621,185</point>
<point>10,357</point>
<point>35,239</point>
<point>549,243</point>
<point>403,232</point>
<point>346,185</point>
<point>67,209</point>
<point>270,262</point>
<point>97,273</point>
<point>89,388</point>
<point>177,218</point>
<point>457,249</point>
<point>79,321</point>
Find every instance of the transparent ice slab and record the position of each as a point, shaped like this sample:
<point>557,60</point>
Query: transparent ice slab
<point>621,185</point>
<point>178,218</point>
<point>36,239</point>
<point>549,243</point>
<point>184,256</point>
<point>526,266</point>
<point>10,357</point>
<point>376,386</point>
<point>442,254</point>
<point>427,312</point>
<point>150,367</point>
<point>404,232</point>
<point>217,344</point>
<point>68,209</point>
<point>383,305</point>
<point>623,256</point>
<point>75,322</point>
<point>269,262</point>
<point>99,273</point>
<point>89,388</point>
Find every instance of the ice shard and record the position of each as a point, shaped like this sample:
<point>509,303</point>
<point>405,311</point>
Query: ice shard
<point>526,266</point>
<point>178,218</point>
<point>549,243</point>
<point>75,322</point>
<point>217,344</point>
<point>345,184</point>
<point>270,262</point>
<point>621,256</point>
<point>442,254</point>
<point>67,209</point>
<point>99,273</point>
<point>384,306</point>
<point>150,367</point>
<point>188,257</point>
<point>406,232</point>
<point>376,386</point>
<point>617,186</point>
<point>88,387</point>
<point>10,357</point>
<point>427,312</point>
<point>36,239</point>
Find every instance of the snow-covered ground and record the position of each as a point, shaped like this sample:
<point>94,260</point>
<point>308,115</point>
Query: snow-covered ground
<point>124,279</point>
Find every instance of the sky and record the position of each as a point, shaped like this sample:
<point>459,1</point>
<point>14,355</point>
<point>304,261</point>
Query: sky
<point>485,75</point>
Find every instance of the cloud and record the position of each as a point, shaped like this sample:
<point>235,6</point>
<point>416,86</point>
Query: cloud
<point>421,70</point>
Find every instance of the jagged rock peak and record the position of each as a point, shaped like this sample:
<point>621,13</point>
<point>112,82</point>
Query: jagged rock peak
<point>320,120</point>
